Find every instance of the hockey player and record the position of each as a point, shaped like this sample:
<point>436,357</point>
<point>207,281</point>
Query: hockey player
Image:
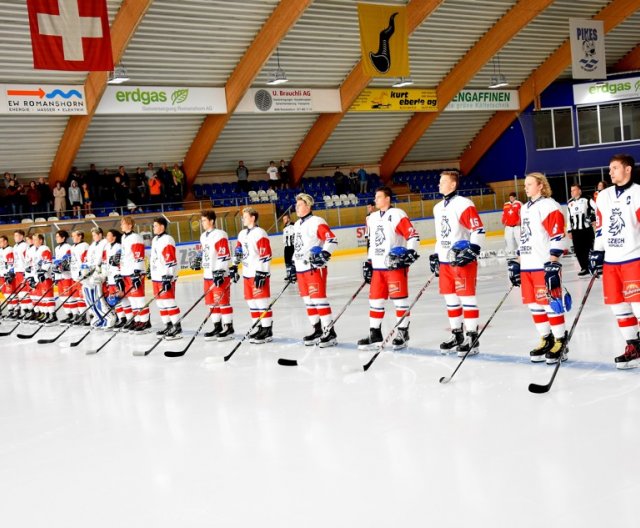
<point>62,273</point>
<point>580,217</point>
<point>253,249</point>
<point>215,259</point>
<point>164,273</point>
<point>92,287</point>
<point>16,276</point>
<point>616,253</point>
<point>459,236</point>
<point>511,223</point>
<point>6,263</point>
<point>393,249</point>
<point>287,238</point>
<point>42,283</point>
<point>115,282</point>
<point>34,311</point>
<point>313,242</point>
<point>78,270</point>
<point>132,268</point>
<point>538,269</point>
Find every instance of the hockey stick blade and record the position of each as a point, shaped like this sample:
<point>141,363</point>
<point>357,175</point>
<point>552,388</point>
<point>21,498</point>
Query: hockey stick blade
<point>76,343</point>
<point>143,353</point>
<point>287,362</point>
<point>539,389</point>
<point>445,379</point>
<point>2,334</point>
<point>53,339</point>
<point>29,336</point>
<point>179,353</point>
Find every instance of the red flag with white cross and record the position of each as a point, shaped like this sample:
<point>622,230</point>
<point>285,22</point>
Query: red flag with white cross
<point>70,35</point>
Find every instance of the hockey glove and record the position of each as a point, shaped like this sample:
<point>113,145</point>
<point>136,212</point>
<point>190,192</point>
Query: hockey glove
<point>114,260</point>
<point>136,280</point>
<point>596,262</point>
<point>318,257</point>
<point>464,253</point>
<point>260,279</point>
<point>552,272</point>
<point>434,264</point>
<point>167,280</point>
<point>367,271</point>
<point>233,274</point>
<point>291,275</point>
<point>514,272</point>
<point>218,278</point>
<point>119,282</point>
<point>196,262</point>
<point>410,257</point>
<point>10,277</point>
<point>42,276</point>
<point>31,281</point>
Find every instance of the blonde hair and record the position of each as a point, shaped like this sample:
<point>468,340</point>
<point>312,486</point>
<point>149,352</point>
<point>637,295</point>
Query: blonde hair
<point>305,198</point>
<point>542,179</point>
<point>128,221</point>
<point>454,175</point>
<point>251,211</point>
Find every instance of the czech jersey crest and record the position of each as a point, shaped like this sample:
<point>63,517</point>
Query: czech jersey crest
<point>616,222</point>
<point>445,228</point>
<point>379,236</point>
<point>525,232</point>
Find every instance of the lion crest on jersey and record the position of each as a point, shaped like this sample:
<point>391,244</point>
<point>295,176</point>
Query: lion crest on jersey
<point>616,222</point>
<point>445,228</point>
<point>525,231</point>
<point>379,236</point>
<point>297,242</point>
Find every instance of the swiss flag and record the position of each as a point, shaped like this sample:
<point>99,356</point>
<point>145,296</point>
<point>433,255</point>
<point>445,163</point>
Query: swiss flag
<point>70,35</point>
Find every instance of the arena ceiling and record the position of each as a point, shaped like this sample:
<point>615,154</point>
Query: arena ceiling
<point>232,45</point>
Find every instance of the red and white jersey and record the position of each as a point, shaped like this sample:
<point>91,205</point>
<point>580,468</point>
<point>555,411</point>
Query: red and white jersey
<point>511,213</point>
<point>62,251</point>
<point>163,257</point>
<point>20,256</point>
<point>216,254</point>
<point>78,258</point>
<point>256,251</point>
<point>42,260</point>
<point>456,218</point>
<point>541,233</point>
<point>30,262</point>
<point>389,229</point>
<point>618,223</point>
<point>95,253</point>
<point>132,254</point>
<point>6,260</point>
<point>109,269</point>
<point>311,231</point>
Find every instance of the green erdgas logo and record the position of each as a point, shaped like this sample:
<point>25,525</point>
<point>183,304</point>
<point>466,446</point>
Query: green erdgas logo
<point>611,87</point>
<point>179,96</point>
<point>140,96</point>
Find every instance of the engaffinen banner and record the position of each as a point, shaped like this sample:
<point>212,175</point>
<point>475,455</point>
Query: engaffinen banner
<point>479,100</point>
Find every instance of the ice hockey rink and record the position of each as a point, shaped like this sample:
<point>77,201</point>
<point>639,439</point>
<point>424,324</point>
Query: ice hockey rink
<point>117,440</point>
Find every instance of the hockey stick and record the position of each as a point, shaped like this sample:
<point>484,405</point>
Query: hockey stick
<point>12,296</point>
<point>447,379</point>
<point>368,364</point>
<point>114,334</point>
<point>180,353</point>
<point>40,325</point>
<point>293,362</point>
<point>541,389</point>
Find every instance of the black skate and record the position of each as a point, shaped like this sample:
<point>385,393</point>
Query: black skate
<point>631,357</point>
<point>264,335</point>
<point>130,325</point>
<point>175,332</point>
<point>213,334</point>
<point>456,339</point>
<point>227,333</point>
<point>120,324</point>
<point>329,340</point>
<point>314,337</point>
<point>371,342</point>
<point>67,320</point>
<point>142,327</point>
<point>558,348</point>
<point>537,355</point>
<point>402,339</point>
<point>50,319</point>
<point>465,347</point>
<point>167,328</point>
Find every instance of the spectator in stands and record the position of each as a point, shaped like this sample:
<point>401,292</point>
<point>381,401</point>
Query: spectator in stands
<point>242,173</point>
<point>601,186</point>
<point>75,198</point>
<point>164,175</point>
<point>155,189</point>
<point>274,176</point>
<point>150,172</point>
<point>92,178</point>
<point>46,196</point>
<point>8,179</point>
<point>74,175</point>
<point>13,194</point>
<point>283,172</point>
<point>105,186</point>
<point>362,178</point>
<point>59,199</point>
<point>33,198</point>
<point>340,181</point>
<point>120,191</point>
<point>353,180</point>
<point>124,177</point>
<point>178,181</point>
<point>141,185</point>
<point>86,199</point>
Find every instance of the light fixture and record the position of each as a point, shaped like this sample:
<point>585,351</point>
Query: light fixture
<point>118,75</point>
<point>498,80</point>
<point>402,82</point>
<point>278,76</point>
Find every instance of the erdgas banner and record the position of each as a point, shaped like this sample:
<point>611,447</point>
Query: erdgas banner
<point>162,100</point>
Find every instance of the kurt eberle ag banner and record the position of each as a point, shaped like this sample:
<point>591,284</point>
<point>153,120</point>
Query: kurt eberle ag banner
<point>42,99</point>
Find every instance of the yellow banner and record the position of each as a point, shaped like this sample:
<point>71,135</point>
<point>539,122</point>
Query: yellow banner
<point>396,100</point>
<point>384,40</point>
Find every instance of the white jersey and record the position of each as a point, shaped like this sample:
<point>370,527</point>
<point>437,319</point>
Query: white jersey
<point>456,218</point>
<point>78,258</point>
<point>20,256</point>
<point>216,254</point>
<point>163,257</point>
<point>42,260</point>
<point>256,251</point>
<point>62,251</point>
<point>288,235</point>
<point>618,223</point>
<point>30,262</point>
<point>132,254</point>
<point>541,233</point>
<point>109,269</point>
<point>580,214</point>
<point>6,260</point>
<point>95,253</point>
<point>311,231</point>
<point>389,229</point>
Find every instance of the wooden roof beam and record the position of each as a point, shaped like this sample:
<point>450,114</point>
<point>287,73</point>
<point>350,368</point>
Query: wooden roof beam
<point>123,28</point>
<point>356,81</point>
<point>491,42</point>
<point>612,15</point>
<point>630,62</point>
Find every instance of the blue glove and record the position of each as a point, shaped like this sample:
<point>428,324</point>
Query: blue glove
<point>318,257</point>
<point>596,262</point>
<point>57,265</point>
<point>112,300</point>
<point>367,271</point>
<point>233,274</point>
<point>260,279</point>
<point>463,253</point>
<point>291,275</point>
<point>167,280</point>
<point>552,278</point>
<point>434,264</point>
<point>218,278</point>
<point>514,272</point>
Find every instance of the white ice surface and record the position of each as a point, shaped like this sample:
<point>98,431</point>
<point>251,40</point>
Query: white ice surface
<point>113,440</point>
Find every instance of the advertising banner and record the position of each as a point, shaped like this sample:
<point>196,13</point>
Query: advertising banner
<point>477,100</point>
<point>396,100</point>
<point>42,99</point>
<point>162,100</point>
<point>601,92</point>
<point>588,60</point>
<point>292,100</point>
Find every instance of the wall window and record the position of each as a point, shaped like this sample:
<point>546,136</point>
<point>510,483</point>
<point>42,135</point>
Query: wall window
<point>554,128</point>
<point>609,123</point>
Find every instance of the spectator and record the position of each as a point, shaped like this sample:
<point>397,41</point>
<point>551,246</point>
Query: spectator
<point>362,177</point>
<point>46,196</point>
<point>120,191</point>
<point>124,177</point>
<point>105,186</point>
<point>75,198</point>
<point>339,179</point>
<point>74,175</point>
<point>155,189</point>
<point>92,178</point>
<point>150,172</point>
<point>274,177</point>
<point>33,197</point>
<point>141,185</point>
<point>86,199</point>
<point>243,177</point>
<point>13,194</point>
<point>601,186</point>
<point>59,199</point>
<point>178,181</point>
<point>353,180</point>
<point>8,179</point>
<point>283,172</point>
<point>164,175</point>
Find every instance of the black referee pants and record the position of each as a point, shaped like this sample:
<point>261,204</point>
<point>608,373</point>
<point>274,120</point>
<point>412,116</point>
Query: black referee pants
<point>582,244</point>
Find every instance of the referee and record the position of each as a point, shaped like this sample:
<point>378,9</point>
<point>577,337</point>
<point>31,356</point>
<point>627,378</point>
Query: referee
<point>580,217</point>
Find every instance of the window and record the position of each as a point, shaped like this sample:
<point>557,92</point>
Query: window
<point>631,120</point>
<point>609,123</point>
<point>588,125</point>
<point>553,128</point>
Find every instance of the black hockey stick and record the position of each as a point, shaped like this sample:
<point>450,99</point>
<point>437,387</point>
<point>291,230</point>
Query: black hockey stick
<point>40,325</point>
<point>541,389</point>
<point>447,379</point>
<point>368,364</point>
<point>293,362</point>
<point>13,295</point>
